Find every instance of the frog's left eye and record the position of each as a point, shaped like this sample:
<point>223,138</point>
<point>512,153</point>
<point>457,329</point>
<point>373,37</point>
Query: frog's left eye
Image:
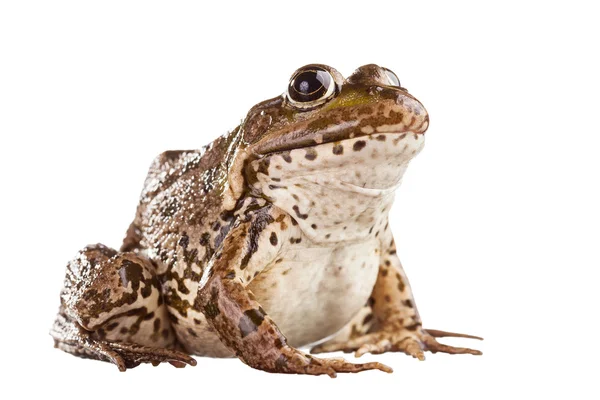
<point>392,77</point>
<point>311,87</point>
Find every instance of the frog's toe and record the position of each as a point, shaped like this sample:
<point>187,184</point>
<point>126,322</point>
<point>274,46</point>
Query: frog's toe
<point>132,355</point>
<point>331,366</point>
<point>295,361</point>
<point>432,345</point>
<point>411,343</point>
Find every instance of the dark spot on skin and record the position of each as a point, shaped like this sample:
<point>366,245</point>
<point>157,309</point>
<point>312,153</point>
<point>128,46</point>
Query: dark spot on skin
<point>184,241</point>
<point>387,298</point>
<point>286,271</point>
<point>311,154</point>
<point>359,145</point>
<point>408,303</point>
<point>211,310</point>
<point>381,138</point>
<point>273,239</point>
<point>387,262</point>
<point>156,325</point>
<point>401,285</point>
<point>338,149</point>
<point>230,275</point>
<point>287,157</point>
<point>371,302</point>
<point>367,319</point>
<point>278,343</point>
<point>165,333</point>
<point>192,332</point>
<point>328,236</point>
<point>205,239</point>
<point>173,319</point>
<point>131,272</point>
<point>413,327</point>
<point>314,226</point>
<point>274,187</point>
<point>384,272</point>
<point>112,326</point>
<point>298,213</point>
<point>294,222</point>
<point>250,321</point>
<point>197,321</point>
<point>263,166</point>
<point>123,331</point>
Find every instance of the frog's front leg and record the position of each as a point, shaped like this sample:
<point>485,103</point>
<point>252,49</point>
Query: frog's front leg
<point>112,310</point>
<point>240,321</point>
<point>390,320</point>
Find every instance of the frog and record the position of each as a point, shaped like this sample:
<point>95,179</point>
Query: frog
<point>272,239</point>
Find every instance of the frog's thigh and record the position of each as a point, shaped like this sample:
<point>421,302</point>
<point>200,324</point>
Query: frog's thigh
<point>112,310</point>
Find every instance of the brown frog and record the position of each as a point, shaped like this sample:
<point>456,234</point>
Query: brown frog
<point>273,237</point>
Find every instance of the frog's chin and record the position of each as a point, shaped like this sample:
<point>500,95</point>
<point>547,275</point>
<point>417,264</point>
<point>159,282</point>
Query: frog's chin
<point>370,165</point>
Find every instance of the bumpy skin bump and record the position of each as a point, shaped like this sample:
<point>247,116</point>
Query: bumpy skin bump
<point>273,237</point>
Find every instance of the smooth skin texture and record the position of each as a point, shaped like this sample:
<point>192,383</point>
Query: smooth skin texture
<point>273,237</point>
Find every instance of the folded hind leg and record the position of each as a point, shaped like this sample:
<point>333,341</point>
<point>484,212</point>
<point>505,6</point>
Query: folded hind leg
<point>394,323</point>
<point>112,310</point>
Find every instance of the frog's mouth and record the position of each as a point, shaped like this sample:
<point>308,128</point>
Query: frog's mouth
<point>341,132</point>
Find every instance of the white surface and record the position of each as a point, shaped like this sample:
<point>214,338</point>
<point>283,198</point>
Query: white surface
<point>497,221</point>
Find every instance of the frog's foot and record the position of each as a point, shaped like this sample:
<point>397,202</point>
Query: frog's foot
<point>130,355</point>
<point>413,343</point>
<point>125,355</point>
<point>293,361</point>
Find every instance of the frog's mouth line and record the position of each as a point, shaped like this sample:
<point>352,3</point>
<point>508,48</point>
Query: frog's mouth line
<point>293,141</point>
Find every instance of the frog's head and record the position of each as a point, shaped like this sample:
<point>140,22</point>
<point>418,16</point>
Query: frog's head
<point>320,106</point>
<point>355,135</point>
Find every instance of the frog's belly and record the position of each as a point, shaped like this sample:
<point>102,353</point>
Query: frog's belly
<point>314,291</point>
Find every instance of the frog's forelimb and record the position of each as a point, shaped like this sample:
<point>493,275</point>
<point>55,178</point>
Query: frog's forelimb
<point>390,320</point>
<point>241,322</point>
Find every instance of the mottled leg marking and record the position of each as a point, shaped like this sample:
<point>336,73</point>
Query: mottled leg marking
<point>244,327</point>
<point>111,310</point>
<point>396,324</point>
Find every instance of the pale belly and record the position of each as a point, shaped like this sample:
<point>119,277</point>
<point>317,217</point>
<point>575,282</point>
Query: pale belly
<point>311,294</point>
<point>315,291</point>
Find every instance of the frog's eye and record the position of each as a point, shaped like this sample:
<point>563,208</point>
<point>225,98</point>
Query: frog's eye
<point>392,77</point>
<point>311,87</point>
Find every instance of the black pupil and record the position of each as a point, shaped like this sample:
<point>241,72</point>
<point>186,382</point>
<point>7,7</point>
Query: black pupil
<point>309,85</point>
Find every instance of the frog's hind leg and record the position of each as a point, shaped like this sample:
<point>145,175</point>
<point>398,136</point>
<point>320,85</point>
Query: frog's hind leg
<point>394,324</point>
<point>112,310</point>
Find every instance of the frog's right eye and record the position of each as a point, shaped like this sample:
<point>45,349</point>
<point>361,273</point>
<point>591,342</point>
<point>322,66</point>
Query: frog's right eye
<point>311,87</point>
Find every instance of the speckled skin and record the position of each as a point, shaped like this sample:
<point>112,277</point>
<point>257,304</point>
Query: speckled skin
<point>273,237</point>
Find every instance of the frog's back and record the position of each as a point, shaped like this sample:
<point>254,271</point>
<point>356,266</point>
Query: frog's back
<point>183,188</point>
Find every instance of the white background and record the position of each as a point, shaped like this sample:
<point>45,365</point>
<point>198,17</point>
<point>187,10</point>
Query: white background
<point>497,220</point>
